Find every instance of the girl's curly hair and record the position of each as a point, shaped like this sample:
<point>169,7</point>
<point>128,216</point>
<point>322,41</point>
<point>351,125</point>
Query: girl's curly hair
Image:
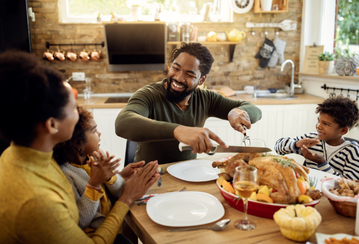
<point>197,50</point>
<point>67,151</point>
<point>344,110</point>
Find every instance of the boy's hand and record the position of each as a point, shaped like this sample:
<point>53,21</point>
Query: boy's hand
<point>102,169</point>
<point>130,169</point>
<point>306,142</point>
<point>312,156</point>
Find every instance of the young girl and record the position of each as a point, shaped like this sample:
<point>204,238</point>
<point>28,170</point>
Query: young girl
<point>93,179</point>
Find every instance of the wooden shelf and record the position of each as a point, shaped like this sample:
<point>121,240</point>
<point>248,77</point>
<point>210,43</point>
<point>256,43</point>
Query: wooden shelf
<point>232,46</point>
<point>332,76</point>
<point>282,7</point>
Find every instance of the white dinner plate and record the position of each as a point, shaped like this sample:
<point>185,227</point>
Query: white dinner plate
<point>194,171</point>
<point>321,237</point>
<point>179,209</point>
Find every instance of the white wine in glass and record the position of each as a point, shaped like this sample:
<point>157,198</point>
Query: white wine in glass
<point>245,182</point>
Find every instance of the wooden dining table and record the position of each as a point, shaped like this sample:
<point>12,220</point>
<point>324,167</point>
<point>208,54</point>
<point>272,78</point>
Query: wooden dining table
<point>138,223</point>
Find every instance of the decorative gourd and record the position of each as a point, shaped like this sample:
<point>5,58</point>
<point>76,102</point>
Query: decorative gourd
<point>297,222</point>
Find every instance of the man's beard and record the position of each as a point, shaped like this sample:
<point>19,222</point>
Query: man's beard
<point>175,96</point>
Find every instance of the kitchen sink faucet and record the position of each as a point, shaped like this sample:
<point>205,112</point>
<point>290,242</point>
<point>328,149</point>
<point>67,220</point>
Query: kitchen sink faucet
<point>292,85</point>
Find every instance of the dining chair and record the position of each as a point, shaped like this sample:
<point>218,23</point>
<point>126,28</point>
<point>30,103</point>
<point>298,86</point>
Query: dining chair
<point>131,148</point>
<point>351,139</point>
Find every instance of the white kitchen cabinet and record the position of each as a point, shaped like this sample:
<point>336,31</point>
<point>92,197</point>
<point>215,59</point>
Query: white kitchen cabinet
<point>277,121</point>
<point>105,119</point>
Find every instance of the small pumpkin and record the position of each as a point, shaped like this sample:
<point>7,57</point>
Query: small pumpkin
<point>297,222</point>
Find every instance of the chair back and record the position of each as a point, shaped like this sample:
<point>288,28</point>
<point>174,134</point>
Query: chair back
<point>351,139</point>
<point>131,148</point>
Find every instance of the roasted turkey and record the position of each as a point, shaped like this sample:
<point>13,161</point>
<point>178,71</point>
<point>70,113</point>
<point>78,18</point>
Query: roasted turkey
<point>276,172</point>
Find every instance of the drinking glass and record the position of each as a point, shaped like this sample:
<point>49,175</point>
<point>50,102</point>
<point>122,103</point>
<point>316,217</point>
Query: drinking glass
<point>245,182</point>
<point>88,84</point>
<point>257,143</point>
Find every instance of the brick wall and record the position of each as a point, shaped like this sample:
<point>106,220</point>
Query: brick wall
<point>243,71</point>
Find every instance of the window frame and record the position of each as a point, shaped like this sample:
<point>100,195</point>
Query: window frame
<point>65,17</point>
<point>317,28</point>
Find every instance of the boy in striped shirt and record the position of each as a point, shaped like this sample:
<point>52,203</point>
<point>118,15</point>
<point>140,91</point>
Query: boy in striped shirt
<point>326,149</point>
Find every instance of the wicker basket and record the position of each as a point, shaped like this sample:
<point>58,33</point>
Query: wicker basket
<point>344,208</point>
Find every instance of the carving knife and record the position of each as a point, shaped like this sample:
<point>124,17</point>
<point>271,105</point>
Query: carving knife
<point>238,149</point>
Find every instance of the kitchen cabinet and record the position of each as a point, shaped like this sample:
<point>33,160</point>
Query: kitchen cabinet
<point>105,119</point>
<point>277,121</point>
<point>14,26</point>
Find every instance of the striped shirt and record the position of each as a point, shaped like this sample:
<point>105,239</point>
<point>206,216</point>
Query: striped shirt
<point>343,162</point>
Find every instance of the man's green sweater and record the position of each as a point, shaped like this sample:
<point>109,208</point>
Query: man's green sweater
<point>150,119</point>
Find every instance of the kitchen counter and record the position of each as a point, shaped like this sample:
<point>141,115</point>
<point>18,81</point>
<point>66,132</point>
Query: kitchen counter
<point>99,102</point>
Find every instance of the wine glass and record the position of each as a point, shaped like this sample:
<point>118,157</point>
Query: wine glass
<point>255,143</point>
<point>245,182</point>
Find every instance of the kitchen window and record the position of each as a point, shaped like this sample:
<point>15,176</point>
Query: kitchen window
<point>347,32</point>
<point>318,25</point>
<point>87,11</point>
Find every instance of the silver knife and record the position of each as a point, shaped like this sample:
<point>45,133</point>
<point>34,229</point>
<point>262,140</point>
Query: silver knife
<point>239,149</point>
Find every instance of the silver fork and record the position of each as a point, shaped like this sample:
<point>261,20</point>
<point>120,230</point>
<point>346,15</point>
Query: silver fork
<point>246,138</point>
<point>142,202</point>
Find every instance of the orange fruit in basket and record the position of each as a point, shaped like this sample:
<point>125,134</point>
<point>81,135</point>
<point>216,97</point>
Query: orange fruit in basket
<point>302,186</point>
<point>264,198</point>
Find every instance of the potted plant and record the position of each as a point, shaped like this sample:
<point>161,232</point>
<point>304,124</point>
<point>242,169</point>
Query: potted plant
<point>325,63</point>
<point>346,63</point>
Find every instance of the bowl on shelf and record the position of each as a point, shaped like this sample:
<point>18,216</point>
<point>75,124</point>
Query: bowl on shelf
<point>272,90</point>
<point>256,208</point>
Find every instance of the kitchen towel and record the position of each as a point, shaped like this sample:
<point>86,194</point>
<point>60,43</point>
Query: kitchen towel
<point>265,53</point>
<point>278,54</point>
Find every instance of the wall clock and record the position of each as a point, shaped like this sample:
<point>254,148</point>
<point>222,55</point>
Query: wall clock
<point>241,6</point>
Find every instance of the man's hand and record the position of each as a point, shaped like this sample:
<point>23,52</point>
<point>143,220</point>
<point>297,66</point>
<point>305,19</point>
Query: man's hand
<point>129,170</point>
<point>312,156</point>
<point>198,138</point>
<point>307,142</point>
<point>237,118</point>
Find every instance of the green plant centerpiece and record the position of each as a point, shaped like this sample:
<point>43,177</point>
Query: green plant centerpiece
<point>326,56</point>
<point>325,63</point>
<point>346,62</point>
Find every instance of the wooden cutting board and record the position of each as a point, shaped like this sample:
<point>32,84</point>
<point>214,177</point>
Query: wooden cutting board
<point>225,91</point>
